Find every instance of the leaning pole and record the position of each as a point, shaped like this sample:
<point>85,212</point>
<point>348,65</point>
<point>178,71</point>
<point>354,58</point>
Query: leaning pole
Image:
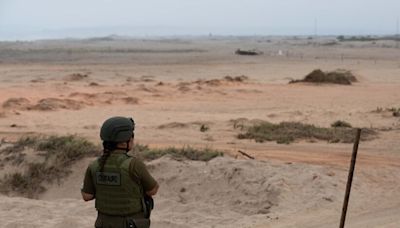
<point>350,178</point>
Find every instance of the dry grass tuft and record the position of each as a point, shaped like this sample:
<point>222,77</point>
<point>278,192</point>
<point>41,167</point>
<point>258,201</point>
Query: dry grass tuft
<point>342,77</point>
<point>288,132</point>
<point>59,154</point>
<point>340,123</point>
<point>187,152</point>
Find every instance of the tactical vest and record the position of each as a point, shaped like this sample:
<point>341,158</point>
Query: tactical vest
<point>116,192</point>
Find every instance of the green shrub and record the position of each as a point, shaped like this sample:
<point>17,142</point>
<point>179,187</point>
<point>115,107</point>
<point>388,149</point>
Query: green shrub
<point>204,128</point>
<point>60,152</point>
<point>66,149</point>
<point>288,132</point>
<point>340,123</point>
<point>342,77</point>
<point>177,153</point>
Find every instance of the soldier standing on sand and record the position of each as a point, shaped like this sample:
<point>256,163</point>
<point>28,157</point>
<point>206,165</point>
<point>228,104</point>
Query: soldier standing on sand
<point>120,184</point>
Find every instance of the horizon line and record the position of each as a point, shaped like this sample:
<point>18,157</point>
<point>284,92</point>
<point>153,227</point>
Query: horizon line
<point>115,36</point>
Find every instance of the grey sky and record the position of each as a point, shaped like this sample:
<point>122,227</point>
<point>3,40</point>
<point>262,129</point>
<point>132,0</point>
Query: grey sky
<point>172,17</point>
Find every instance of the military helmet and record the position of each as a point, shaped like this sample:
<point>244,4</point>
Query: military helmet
<point>117,129</point>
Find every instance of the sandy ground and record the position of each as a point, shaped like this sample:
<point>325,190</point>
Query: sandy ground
<point>173,86</point>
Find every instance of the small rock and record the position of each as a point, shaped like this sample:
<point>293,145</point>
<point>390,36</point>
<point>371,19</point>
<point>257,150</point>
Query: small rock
<point>328,199</point>
<point>331,174</point>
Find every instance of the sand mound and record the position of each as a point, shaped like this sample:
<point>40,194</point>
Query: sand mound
<point>38,80</point>
<point>76,77</point>
<point>86,96</point>
<point>94,84</point>
<point>223,192</point>
<point>149,89</point>
<point>46,104</point>
<point>342,77</point>
<point>173,125</point>
<point>199,84</point>
<point>232,193</point>
<point>19,103</point>
<point>236,187</point>
<point>147,78</point>
<point>78,101</point>
<point>184,88</point>
<point>226,80</point>
<point>107,97</point>
<point>200,124</point>
<point>52,104</point>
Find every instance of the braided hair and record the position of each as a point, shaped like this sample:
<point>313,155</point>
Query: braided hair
<point>108,147</point>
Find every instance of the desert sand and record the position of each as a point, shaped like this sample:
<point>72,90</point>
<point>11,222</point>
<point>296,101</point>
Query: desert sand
<point>173,86</point>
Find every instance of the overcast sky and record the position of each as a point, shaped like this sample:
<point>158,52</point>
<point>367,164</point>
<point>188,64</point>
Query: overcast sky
<point>29,18</point>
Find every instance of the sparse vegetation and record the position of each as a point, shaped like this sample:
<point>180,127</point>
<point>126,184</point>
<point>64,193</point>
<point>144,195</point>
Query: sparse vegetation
<point>22,184</point>
<point>340,38</point>
<point>395,111</point>
<point>248,52</point>
<point>288,132</point>
<point>76,77</point>
<point>378,110</point>
<point>240,78</point>
<point>331,43</point>
<point>66,149</point>
<point>20,144</point>
<point>177,153</point>
<point>340,123</point>
<point>204,128</point>
<point>366,38</point>
<point>357,38</point>
<point>342,77</point>
<point>58,152</point>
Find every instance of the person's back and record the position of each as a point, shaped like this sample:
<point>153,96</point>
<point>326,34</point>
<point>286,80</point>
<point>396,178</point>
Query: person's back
<point>120,184</point>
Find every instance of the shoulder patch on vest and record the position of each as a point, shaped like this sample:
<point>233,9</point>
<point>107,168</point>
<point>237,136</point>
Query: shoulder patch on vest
<point>106,178</point>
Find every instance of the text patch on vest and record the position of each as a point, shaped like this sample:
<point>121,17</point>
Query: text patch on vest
<point>105,178</point>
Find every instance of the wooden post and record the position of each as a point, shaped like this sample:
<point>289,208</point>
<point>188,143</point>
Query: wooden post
<point>350,178</point>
